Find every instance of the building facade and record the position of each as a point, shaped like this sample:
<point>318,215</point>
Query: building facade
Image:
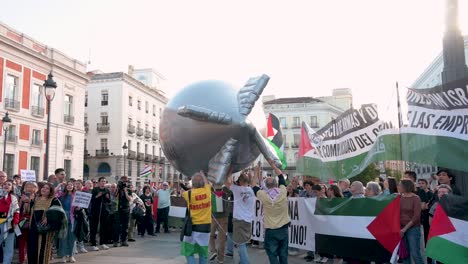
<point>121,109</point>
<point>24,65</point>
<point>291,112</point>
<point>432,75</point>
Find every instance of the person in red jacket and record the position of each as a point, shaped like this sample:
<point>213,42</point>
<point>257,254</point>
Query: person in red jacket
<point>9,218</point>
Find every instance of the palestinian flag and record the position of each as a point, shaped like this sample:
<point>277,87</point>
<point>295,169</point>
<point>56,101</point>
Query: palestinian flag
<point>362,229</point>
<point>305,145</point>
<point>448,236</point>
<point>197,243</point>
<point>146,172</point>
<point>275,138</point>
<point>217,202</point>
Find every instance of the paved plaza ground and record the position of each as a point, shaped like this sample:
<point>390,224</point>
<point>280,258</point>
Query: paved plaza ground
<point>165,248</point>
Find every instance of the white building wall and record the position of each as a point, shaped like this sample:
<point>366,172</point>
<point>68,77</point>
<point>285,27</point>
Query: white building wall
<point>119,111</point>
<point>323,111</point>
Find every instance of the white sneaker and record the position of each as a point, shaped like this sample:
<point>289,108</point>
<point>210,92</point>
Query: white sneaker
<point>82,250</point>
<point>94,248</point>
<point>62,260</point>
<point>318,259</point>
<point>71,260</point>
<point>104,247</point>
<point>324,260</point>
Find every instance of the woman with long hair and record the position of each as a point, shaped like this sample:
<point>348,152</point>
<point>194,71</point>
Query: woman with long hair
<point>410,221</point>
<point>67,244</point>
<point>390,186</point>
<point>41,240</point>
<point>291,192</point>
<point>9,218</point>
<point>27,196</point>
<point>334,192</point>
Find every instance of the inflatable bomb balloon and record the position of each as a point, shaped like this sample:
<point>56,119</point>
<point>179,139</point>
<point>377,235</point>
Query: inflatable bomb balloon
<point>206,126</point>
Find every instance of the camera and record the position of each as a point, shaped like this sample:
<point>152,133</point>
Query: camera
<point>121,185</point>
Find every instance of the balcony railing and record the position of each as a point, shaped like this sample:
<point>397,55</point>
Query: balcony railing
<point>148,157</point>
<point>139,132</point>
<point>12,139</point>
<point>131,155</point>
<point>140,156</point>
<point>155,159</point>
<point>294,145</point>
<point>162,160</point>
<point>12,104</point>
<point>131,129</point>
<point>36,142</point>
<point>103,127</point>
<point>296,126</point>
<point>104,102</point>
<point>86,153</point>
<point>37,111</point>
<point>102,152</point>
<point>68,119</point>
<point>155,136</point>
<point>314,125</point>
<point>68,147</point>
<point>147,134</point>
<point>86,127</point>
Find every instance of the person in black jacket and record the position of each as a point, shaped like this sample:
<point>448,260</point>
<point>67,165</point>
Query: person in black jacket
<point>124,196</point>
<point>100,200</point>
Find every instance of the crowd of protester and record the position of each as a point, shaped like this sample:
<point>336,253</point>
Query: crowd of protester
<point>419,198</point>
<point>41,221</point>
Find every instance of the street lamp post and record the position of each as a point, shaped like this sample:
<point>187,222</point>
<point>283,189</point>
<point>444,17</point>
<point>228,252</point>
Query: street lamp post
<point>49,90</point>
<point>6,122</point>
<point>125,149</point>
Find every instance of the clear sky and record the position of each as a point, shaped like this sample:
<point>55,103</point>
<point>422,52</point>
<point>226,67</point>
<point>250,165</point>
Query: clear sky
<point>307,47</point>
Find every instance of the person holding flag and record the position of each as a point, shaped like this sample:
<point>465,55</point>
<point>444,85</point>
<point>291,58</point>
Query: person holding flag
<point>275,138</point>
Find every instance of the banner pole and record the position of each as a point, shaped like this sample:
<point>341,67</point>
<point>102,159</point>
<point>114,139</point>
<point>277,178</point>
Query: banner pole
<point>400,124</point>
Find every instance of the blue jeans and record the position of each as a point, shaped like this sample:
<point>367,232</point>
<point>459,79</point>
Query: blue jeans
<point>230,244</point>
<point>8,243</point>
<point>67,244</point>
<point>243,254</point>
<point>413,244</point>
<point>191,260</point>
<point>276,245</point>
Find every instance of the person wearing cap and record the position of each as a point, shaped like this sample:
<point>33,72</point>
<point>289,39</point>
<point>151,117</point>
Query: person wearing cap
<point>164,203</point>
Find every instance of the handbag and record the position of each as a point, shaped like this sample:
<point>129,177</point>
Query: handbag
<point>42,228</point>
<point>24,224</point>
<point>137,212</point>
<point>187,228</point>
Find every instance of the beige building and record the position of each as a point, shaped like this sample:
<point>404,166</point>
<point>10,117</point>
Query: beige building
<point>24,65</point>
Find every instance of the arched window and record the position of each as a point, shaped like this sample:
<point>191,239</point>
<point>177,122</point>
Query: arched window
<point>104,169</point>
